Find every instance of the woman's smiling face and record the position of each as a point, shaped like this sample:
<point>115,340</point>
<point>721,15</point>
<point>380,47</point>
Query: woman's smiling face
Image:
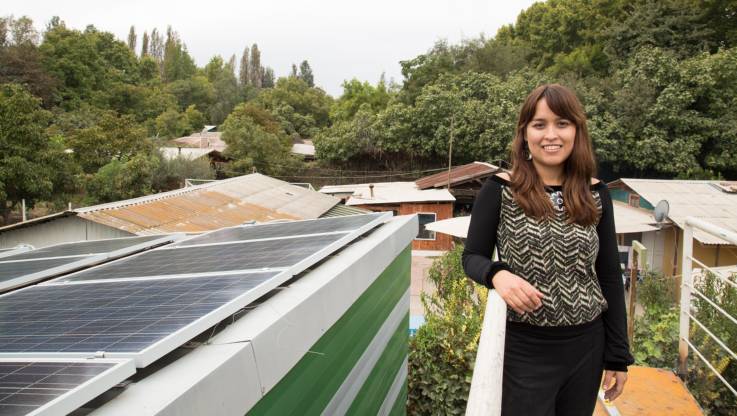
<point>550,137</point>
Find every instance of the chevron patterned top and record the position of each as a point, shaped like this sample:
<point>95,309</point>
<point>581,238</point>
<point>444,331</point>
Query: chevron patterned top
<point>555,257</point>
<point>576,267</point>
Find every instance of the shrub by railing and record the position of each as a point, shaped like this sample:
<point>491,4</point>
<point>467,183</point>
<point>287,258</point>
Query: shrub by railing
<point>443,352</point>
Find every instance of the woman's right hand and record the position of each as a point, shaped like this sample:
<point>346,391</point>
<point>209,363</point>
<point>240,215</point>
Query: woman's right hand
<point>517,292</point>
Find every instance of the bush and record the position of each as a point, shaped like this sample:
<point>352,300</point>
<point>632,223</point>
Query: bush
<point>443,352</point>
<point>656,337</point>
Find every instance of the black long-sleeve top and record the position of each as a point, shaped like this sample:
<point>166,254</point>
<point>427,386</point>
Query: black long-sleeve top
<point>576,267</point>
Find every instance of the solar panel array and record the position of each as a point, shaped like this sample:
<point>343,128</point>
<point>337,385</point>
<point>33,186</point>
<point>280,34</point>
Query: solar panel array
<point>112,316</point>
<point>40,386</point>
<point>31,266</point>
<point>146,305</point>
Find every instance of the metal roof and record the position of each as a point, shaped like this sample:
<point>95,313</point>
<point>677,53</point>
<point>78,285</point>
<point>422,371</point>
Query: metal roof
<point>458,175</point>
<point>208,139</point>
<point>388,193</point>
<point>628,219</point>
<point>708,200</point>
<point>188,153</point>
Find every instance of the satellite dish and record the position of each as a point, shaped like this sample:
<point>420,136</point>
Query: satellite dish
<point>661,211</point>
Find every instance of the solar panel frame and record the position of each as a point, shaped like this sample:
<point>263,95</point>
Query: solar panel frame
<point>273,230</point>
<point>82,262</point>
<point>178,338</point>
<point>76,397</point>
<point>15,250</point>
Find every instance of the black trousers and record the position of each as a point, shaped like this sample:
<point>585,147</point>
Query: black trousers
<point>552,371</point>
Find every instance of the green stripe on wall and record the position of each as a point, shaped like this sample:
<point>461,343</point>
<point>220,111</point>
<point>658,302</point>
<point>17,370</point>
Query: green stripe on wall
<point>311,383</point>
<point>377,385</point>
<point>400,406</point>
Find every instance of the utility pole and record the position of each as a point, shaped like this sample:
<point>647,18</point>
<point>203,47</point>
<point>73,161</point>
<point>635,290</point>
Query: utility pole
<point>450,149</point>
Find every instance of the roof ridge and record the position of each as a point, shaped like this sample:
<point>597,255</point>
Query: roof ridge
<point>158,196</point>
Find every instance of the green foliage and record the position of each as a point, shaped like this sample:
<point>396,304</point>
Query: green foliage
<point>301,109</point>
<point>356,94</point>
<point>656,336</point>
<point>708,390</point>
<point>123,179</point>
<point>110,137</point>
<point>171,174</point>
<point>443,352</point>
<point>252,146</point>
<point>31,163</point>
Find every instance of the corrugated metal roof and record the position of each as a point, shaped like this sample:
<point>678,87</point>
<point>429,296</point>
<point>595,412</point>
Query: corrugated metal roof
<point>210,139</point>
<point>212,205</point>
<point>188,153</point>
<point>628,219</point>
<point>341,210</point>
<point>458,175</point>
<point>388,193</point>
<point>706,200</point>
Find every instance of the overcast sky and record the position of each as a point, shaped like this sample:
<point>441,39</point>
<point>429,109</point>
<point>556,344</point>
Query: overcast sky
<point>341,39</point>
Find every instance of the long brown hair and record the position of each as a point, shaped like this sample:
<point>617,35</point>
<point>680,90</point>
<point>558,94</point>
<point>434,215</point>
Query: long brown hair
<point>579,168</point>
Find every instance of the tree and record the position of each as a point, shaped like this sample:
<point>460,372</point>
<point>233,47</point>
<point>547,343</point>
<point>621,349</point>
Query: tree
<point>244,69</point>
<point>111,137</point>
<point>250,145</point>
<point>255,67</point>
<point>144,45</point>
<point>27,157</point>
<point>294,73</point>
<point>132,39</point>
<point>305,74</point>
<point>300,109</point>
<point>157,47</point>
<point>267,80</point>
<point>355,94</point>
<point>177,63</point>
<point>123,179</point>
<point>22,63</point>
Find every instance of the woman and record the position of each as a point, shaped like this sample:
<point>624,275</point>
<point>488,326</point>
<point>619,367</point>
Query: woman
<point>558,268</point>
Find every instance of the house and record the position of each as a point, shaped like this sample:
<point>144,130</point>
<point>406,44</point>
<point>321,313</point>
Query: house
<point>402,198</point>
<point>465,183</point>
<point>203,140</point>
<point>710,200</point>
<point>194,209</point>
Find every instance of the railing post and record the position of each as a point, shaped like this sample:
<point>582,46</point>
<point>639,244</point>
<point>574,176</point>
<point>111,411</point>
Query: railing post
<point>639,256</point>
<point>485,397</point>
<point>686,283</point>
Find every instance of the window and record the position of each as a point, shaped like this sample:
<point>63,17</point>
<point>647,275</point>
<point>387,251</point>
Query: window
<point>634,200</point>
<point>425,218</point>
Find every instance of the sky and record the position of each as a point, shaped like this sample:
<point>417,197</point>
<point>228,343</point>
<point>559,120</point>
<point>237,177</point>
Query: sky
<point>341,39</point>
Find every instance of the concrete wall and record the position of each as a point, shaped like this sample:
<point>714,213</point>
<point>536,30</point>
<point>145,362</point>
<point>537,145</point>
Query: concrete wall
<point>60,230</point>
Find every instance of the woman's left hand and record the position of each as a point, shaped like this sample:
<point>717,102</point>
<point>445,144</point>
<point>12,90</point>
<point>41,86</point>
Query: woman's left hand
<point>613,390</point>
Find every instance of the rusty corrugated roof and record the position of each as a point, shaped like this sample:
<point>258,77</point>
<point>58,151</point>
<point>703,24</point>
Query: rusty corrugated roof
<point>458,175</point>
<point>212,205</point>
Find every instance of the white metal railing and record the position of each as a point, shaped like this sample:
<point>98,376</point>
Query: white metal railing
<point>485,397</point>
<point>688,289</point>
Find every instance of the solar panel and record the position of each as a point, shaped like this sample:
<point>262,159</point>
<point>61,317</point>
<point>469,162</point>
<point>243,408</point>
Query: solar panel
<point>283,229</point>
<point>32,266</point>
<point>56,387</point>
<point>146,317</point>
<point>208,259</point>
<point>5,252</point>
<point>83,248</point>
<point>117,317</point>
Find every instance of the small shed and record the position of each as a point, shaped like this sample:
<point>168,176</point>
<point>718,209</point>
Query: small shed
<point>463,182</point>
<point>403,198</point>
<point>710,200</point>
